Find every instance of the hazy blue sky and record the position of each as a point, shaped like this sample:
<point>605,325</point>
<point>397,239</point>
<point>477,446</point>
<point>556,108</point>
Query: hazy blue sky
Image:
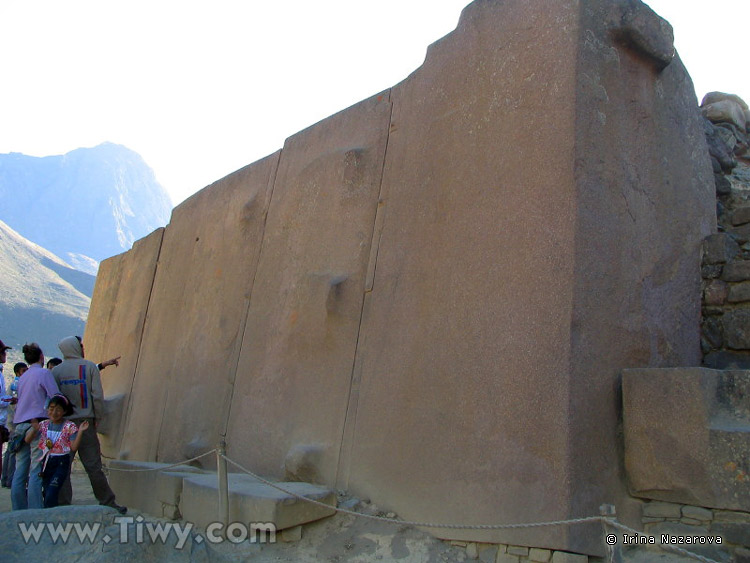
<point>200,89</point>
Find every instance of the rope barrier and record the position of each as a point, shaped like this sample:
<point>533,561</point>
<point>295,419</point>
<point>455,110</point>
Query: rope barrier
<point>416,524</point>
<point>160,468</point>
<point>607,521</point>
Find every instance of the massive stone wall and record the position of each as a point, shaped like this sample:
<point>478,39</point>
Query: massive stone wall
<point>433,292</point>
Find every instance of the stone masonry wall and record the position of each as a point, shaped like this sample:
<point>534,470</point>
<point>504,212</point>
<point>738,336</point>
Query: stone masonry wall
<point>685,520</point>
<point>725,329</point>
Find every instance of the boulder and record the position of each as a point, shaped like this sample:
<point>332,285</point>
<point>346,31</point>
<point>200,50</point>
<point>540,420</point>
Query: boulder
<point>725,111</point>
<point>717,148</point>
<point>713,97</point>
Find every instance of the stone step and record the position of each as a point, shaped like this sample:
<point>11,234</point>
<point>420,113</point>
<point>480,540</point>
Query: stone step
<point>154,492</point>
<point>251,501</point>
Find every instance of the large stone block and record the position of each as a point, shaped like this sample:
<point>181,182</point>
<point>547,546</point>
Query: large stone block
<point>251,501</point>
<point>687,436</point>
<point>518,273</point>
<point>115,328</point>
<point>294,373</point>
<point>148,487</point>
<point>196,318</point>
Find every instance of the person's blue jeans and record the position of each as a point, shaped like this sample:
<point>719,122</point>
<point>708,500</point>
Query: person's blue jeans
<point>26,476</point>
<point>9,466</point>
<point>53,476</point>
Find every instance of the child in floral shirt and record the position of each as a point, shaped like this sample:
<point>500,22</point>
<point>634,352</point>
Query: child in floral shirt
<point>57,439</point>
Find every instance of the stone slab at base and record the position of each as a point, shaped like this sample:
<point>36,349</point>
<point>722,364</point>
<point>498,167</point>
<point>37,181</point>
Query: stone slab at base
<point>154,492</point>
<point>251,501</point>
<point>687,436</point>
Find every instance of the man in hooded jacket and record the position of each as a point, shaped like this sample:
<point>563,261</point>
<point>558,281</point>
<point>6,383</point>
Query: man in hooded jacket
<point>80,382</point>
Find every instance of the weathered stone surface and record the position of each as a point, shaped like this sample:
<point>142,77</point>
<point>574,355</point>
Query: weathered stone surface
<point>712,331</point>
<point>687,435</point>
<point>196,318</point>
<point>722,185</point>
<point>725,111</point>
<point>719,248</point>
<point>564,557</point>
<point>488,553</point>
<point>303,462</point>
<point>731,516</point>
<point>715,166</point>
<point>154,492</point>
<point>505,558</point>
<point>662,510</point>
<point>741,215</point>
<point>716,292</point>
<point>733,532</point>
<point>697,512</point>
<point>711,271</point>
<point>540,555</point>
<point>737,329</point>
<point>713,97</point>
<point>741,233</point>
<point>674,528</point>
<point>294,373</point>
<point>739,292</point>
<point>253,501</point>
<point>291,534</point>
<point>727,137</point>
<point>115,327</point>
<point>727,359</point>
<point>642,29</point>
<point>519,550</point>
<point>736,271</point>
<point>104,522</point>
<point>717,148</point>
<point>691,521</point>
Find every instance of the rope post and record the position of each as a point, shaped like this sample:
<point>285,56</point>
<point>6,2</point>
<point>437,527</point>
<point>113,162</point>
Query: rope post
<point>608,513</point>
<point>221,473</point>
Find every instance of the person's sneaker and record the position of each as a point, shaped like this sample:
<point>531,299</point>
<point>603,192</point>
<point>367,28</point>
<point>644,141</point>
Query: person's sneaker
<point>118,508</point>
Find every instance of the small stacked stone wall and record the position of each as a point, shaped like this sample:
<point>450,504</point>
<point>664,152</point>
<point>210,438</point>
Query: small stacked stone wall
<point>501,553</point>
<point>695,521</point>
<point>725,328</point>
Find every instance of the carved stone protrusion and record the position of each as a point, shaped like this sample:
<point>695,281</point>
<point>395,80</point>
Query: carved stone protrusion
<point>641,29</point>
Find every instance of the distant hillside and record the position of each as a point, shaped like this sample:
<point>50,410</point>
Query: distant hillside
<point>83,206</point>
<point>42,298</point>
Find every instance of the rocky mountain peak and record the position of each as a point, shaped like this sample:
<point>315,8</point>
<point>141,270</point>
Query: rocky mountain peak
<point>85,205</point>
